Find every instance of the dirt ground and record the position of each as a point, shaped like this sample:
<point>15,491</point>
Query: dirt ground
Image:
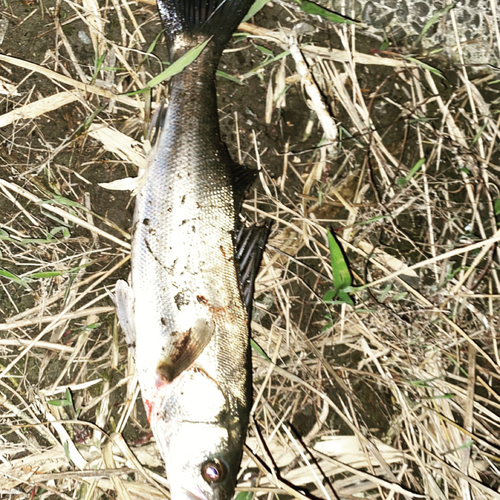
<point>393,394</point>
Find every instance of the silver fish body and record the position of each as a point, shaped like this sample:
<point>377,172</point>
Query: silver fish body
<point>184,305</point>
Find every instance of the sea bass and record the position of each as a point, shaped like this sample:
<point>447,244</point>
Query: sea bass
<point>185,306</point>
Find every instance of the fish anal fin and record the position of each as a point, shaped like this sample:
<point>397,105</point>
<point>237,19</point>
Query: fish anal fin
<point>184,350</point>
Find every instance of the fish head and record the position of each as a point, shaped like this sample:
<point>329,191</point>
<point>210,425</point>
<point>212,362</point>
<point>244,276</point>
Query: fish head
<point>200,434</point>
<point>201,463</point>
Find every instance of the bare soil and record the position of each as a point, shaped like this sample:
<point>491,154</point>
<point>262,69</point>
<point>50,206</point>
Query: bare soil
<point>410,369</point>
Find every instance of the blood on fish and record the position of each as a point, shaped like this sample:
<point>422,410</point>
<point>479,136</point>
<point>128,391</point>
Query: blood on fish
<point>149,409</point>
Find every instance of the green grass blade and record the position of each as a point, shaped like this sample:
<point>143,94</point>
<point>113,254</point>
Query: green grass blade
<point>229,77</point>
<point>425,66</point>
<point>344,298</point>
<point>317,10</point>
<point>267,62</point>
<point>62,201</point>
<point>256,347</point>
<point>496,208</point>
<point>245,495</point>
<point>173,69</point>
<point>60,229</point>
<point>5,236</point>
<point>46,274</point>
<point>67,401</point>
<point>177,66</point>
<point>264,50</point>
<point>98,66</point>
<point>403,180</point>
<point>479,134</point>
<point>13,277</point>
<point>154,43</point>
<point>329,296</point>
<point>256,6</point>
<point>341,274</point>
<point>432,20</point>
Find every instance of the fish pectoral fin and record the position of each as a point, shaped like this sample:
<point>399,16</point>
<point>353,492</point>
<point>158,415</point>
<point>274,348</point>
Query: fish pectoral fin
<point>124,302</point>
<point>185,348</point>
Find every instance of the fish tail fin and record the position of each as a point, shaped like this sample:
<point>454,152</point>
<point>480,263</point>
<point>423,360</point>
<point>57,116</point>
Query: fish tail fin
<point>188,22</point>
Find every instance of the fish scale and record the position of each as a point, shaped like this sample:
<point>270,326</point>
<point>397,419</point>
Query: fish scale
<point>183,308</point>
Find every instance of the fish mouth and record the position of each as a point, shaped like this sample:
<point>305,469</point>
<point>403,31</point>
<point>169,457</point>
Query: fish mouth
<point>189,495</point>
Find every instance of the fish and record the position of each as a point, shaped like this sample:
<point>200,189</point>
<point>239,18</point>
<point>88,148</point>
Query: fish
<point>186,308</point>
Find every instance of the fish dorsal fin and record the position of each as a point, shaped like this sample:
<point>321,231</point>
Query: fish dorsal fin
<point>184,349</point>
<point>243,178</point>
<point>250,244</point>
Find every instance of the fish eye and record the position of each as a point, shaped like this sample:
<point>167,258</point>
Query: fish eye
<point>213,471</point>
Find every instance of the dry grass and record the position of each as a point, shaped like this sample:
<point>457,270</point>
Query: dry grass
<point>397,396</point>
